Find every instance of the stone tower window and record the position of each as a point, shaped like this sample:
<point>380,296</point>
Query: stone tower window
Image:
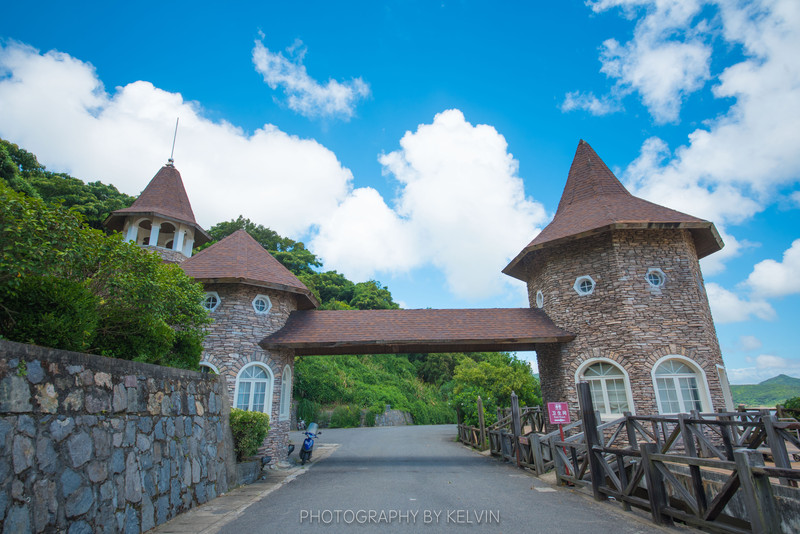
<point>212,300</point>
<point>254,388</point>
<point>584,285</point>
<point>655,277</point>
<point>680,386</point>
<point>609,386</point>
<point>539,299</point>
<point>262,304</point>
<point>208,368</point>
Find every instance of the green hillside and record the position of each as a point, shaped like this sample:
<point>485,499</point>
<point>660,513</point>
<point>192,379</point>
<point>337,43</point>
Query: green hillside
<point>770,392</point>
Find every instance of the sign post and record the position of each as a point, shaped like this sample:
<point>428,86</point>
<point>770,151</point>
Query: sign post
<point>559,415</point>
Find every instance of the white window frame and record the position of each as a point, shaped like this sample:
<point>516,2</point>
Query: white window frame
<point>269,391</point>
<point>607,416</point>
<point>269,304</point>
<point>286,393</point>
<point>660,274</point>
<point>577,285</point>
<point>700,376</point>
<point>539,299</point>
<point>212,294</point>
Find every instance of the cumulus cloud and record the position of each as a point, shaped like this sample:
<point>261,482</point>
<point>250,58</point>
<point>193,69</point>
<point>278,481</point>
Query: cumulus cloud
<point>460,206</point>
<point>304,94</point>
<point>764,366</point>
<point>56,106</point>
<point>728,307</point>
<point>777,279</point>
<point>589,102</point>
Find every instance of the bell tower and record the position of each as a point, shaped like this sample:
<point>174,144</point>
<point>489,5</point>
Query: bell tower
<point>623,275</point>
<point>161,219</point>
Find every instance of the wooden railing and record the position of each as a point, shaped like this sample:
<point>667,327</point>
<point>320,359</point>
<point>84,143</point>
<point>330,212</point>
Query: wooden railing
<point>663,463</point>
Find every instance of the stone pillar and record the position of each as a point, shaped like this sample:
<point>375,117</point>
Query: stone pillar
<point>154,230</point>
<point>177,243</point>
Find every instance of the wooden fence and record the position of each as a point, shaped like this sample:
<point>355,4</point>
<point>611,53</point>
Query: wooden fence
<point>662,464</point>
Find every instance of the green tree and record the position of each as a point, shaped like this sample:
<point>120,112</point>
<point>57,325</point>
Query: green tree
<point>372,296</point>
<point>121,301</point>
<point>493,378</point>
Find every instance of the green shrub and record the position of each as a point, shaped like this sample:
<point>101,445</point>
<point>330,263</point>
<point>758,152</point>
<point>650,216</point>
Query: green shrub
<point>308,411</point>
<point>346,416</point>
<point>792,407</point>
<point>249,430</point>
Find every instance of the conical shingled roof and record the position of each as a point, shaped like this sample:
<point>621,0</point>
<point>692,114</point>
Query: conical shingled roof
<point>595,201</point>
<point>166,197</point>
<point>240,259</point>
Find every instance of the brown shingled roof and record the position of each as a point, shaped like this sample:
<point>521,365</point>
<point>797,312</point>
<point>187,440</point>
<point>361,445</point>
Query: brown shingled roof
<point>391,331</point>
<point>239,259</point>
<point>164,196</point>
<point>595,201</point>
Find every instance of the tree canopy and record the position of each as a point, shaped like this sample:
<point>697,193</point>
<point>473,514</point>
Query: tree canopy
<point>65,285</point>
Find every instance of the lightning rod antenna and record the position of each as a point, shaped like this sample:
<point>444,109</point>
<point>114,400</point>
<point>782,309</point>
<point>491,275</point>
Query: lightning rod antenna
<point>171,161</point>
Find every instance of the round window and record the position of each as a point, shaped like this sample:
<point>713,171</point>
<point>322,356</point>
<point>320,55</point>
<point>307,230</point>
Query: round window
<point>655,277</point>
<point>262,304</point>
<point>211,301</point>
<point>584,285</point>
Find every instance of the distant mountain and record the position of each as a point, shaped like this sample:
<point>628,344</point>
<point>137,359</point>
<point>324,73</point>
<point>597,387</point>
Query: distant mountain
<point>781,380</point>
<point>770,392</point>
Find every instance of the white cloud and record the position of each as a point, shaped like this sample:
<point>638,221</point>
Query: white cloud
<point>777,279</point>
<point>667,59</point>
<point>306,95</point>
<point>749,343</point>
<point>461,207</point>
<point>727,307</point>
<point>795,197</point>
<point>589,102</point>
<point>766,366</point>
<point>56,107</point>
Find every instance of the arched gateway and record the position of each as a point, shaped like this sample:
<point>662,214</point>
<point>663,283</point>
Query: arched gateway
<point>614,283</point>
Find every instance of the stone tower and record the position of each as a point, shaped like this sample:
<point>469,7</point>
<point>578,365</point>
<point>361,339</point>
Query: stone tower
<point>622,274</point>
<point>161,219</point>
<point>249,295</point>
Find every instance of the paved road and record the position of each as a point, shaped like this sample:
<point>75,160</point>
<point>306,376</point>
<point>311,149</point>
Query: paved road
<point>418,479</point>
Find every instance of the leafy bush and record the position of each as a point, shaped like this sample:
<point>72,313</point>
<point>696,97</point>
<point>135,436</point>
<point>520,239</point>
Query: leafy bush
<point>792,407</point>
<point>249,430</point>
<point>346,416</point>
<point>308,411</point>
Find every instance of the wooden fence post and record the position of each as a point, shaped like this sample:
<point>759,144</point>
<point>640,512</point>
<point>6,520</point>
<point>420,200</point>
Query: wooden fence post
<point>777,445</point>
<point>591,437</point>
<point>656,489</point>
<point>694,470</point>
<point>631,430</point>
<point>481,425</point>
<point>516,427</point>
<point>758,498</point>
<point>538,457</point>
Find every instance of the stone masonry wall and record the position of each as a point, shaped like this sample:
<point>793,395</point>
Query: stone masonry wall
<point>95,444</point>
<point>232,343</point>
<point>624,319</point>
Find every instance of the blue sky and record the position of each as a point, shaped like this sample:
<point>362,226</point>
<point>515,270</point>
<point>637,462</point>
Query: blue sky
<point>424,144</point>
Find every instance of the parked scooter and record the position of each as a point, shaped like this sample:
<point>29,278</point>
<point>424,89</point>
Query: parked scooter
<point>308,444</point>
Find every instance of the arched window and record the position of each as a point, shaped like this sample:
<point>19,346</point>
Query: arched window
<point>680,385</point>
<point>286,393</point>
<point>609,385</point>
<point>208,368</point>
<point>254,388</point>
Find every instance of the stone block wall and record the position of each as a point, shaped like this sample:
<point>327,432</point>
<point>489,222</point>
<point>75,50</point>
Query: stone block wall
<point>232,343</point>
<point>625,320</point>
<point>95,444</point>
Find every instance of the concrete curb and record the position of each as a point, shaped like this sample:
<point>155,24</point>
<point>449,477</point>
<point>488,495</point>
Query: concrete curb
<point>212,516</point>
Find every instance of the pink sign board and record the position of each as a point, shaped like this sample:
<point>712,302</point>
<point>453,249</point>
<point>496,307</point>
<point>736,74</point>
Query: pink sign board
<point>559,413</point>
